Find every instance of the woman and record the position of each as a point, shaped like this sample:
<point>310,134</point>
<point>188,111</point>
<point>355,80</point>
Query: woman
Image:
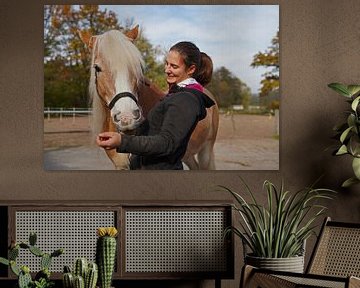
<point>166,132</point>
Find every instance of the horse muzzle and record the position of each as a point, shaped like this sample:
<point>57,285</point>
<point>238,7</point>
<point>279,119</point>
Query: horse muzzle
<point>128,117</point>
<point>128,122</point>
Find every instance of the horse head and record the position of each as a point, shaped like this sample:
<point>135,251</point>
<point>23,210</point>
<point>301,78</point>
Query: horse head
<point>116,73</point>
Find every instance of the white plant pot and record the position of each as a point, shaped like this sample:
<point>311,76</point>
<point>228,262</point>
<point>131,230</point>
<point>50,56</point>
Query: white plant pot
<point>291,264</point>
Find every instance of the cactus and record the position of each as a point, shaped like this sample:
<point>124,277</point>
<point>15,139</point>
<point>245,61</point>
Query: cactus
<point>84,274</point>
<point>14,268</point>
<point>24,280</point>
<point>106,254</point>
<point>45,261</point>
<point>67,269</point>
<point>81,265</point>
<point>42,278</point>
<point>68,280</point>
<point>32,238</point>
<point>91,275</point>
<point>57,252</point>
<point>24,246</point>
<point>36,251</point>
<point>13,253</point>
<point>79,282</point>
<point>43,274</point>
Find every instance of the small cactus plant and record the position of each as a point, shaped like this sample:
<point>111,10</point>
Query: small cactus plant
<point>106,254</point>
<point>42,278</point>
<point>85,275</point>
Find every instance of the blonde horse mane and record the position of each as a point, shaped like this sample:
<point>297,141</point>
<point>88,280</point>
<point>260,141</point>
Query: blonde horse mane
<point>121,56</point>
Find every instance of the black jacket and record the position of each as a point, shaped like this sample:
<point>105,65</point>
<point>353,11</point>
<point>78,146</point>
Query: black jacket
<point>167,130</point>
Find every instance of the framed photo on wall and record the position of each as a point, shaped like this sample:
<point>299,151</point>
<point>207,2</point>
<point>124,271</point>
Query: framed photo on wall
<point>96,80</point>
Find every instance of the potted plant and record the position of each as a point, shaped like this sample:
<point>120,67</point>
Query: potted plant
<point>275,234</point>
<point>84,274</point>
<point>106,254</point>
<point>87,274</point>
<point>42,278</point>
<point>349,132</point>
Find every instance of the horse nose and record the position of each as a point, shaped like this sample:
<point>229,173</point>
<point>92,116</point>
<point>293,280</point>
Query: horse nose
<point>137,113</point>
<point>124,120</point>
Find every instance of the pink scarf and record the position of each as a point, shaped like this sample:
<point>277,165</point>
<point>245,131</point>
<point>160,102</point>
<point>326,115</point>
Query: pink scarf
<point>192,84</point>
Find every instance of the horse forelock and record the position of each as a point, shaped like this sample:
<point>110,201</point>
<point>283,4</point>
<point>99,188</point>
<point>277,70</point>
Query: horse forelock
<point>121,56</point>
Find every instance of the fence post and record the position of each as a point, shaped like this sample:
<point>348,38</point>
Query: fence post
<point>73,115</point>
<point>277,122</point>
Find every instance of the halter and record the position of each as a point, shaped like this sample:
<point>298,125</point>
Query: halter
<point>117,96</point>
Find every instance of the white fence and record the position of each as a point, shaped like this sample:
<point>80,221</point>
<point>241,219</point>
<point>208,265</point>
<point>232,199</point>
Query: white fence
<point>67,112</point>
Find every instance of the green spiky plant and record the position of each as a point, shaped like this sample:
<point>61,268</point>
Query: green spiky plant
<point>42,278</point>
<point>84,275</point>
<point>106,254</point>
<point>279,229</point>
<point>348,133</point>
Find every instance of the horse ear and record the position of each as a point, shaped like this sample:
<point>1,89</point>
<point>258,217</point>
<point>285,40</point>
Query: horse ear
<point>133,33</point>
<point>86,37</point>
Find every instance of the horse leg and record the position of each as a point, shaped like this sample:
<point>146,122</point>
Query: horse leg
<point>191,162</point>
<point>206,157</point>
<point>120,160</point>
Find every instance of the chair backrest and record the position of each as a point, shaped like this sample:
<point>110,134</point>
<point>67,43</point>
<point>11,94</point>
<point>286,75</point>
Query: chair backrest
<point>337,251</point>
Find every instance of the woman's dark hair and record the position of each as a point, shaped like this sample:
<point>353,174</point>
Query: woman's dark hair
<point>204,73</point>
<point>192,56</point>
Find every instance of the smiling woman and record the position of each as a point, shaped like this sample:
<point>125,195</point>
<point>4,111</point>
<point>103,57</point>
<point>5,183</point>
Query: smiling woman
<point>162,140</point>
<point>116,76</point>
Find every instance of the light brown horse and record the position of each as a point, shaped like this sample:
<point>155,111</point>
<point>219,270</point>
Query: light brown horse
<point>121,97</point>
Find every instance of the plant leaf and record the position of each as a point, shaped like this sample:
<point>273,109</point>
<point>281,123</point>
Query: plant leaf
<point>356,167</point>
<point>355,103</point>
<point>340,88</point>
<point>345,134</point>
<point>349,182</point>
<point>354,145</point>
<point>4,261</point>
<point>351,119</point>
<point>353,89</point>
<point>342,150</point>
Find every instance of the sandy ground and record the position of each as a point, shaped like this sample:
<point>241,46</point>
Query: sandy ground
<point>244,142</point>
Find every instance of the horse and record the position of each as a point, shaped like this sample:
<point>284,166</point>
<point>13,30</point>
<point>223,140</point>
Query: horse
<point>121,97</point>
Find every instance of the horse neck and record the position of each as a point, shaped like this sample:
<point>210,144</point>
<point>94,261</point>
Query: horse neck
<point>149,95</point>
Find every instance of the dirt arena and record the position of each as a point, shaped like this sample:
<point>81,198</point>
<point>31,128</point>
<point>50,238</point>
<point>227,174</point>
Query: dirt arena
<point>244,142</point>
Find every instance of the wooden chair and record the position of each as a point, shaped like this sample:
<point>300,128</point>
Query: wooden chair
<point>335,262</point>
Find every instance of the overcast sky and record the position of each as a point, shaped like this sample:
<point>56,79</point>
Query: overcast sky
<point>230,34</point>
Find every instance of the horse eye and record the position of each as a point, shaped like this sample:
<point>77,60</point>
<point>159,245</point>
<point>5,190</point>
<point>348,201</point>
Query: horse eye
<point>97,68</point>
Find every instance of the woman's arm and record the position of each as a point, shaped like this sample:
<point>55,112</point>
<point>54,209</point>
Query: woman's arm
<point>180,118</point>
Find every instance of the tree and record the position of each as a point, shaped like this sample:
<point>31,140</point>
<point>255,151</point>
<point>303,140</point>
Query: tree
<point>229,89</point>
<point>67,60</point>
<point>269,59</point>
<point>154,65</point>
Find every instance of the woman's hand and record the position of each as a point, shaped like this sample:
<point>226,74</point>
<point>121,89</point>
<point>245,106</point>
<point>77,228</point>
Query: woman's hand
<point>108,140</point>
